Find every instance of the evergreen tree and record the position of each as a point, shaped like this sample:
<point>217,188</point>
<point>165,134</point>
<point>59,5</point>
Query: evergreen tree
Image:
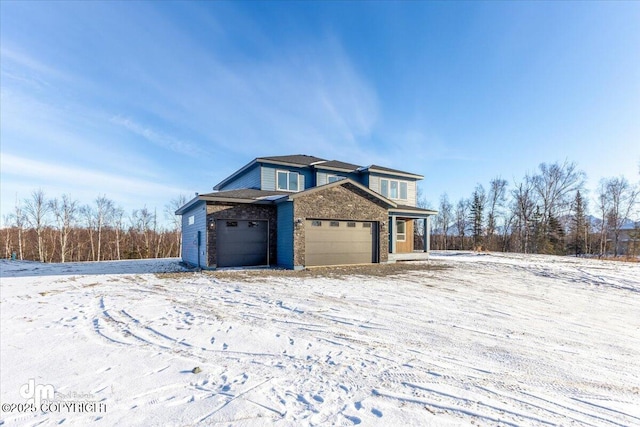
<point>476,215</point>
<point>555,237</point>
<point>579,229</point>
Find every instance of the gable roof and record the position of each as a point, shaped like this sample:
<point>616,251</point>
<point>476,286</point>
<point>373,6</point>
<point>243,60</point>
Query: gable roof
<point>341,182</point>
<point>294,159</point>
<point>245,195</point>
<point>304,160</point>
<point>382,169</point>
<point>338,166</point>
<point>251,195</point>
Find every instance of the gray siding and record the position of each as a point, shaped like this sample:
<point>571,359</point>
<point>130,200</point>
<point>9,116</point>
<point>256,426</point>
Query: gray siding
<point>412,188</point>
<point>268,175</point>
<point>285,235</point>
<point>321,176</point>
<point>190,235</point>
<point>249,179</point>
<point>268,178</point>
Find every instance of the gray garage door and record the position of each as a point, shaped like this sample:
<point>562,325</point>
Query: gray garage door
<point>242,242</point>
<point>339,242</point>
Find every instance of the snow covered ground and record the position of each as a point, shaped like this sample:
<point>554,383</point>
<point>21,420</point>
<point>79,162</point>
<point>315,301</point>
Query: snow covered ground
<point>496,339</point>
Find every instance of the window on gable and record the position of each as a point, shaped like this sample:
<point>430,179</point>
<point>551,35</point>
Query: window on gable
<point>293,181</point>
<point>287,180</point>
<point>394,189</point>
<point>283,179</point>
<point>384,187</point>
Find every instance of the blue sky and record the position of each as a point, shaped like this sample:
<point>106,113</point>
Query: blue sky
<point>142,101</point>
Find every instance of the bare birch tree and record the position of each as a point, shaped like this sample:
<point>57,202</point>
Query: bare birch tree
<point>103,215</point>
<point>622,198</point>
<point>445,215</point>
<point>88,214</point>
<point>523,208</point>
<point>118,226</point>
<point>176,220</point>
<point>19,221</point>
<point>65,213</point>
<point>36,210</point>
<point>555,184</point>
<point>495,202</point>
<point>462,219</point>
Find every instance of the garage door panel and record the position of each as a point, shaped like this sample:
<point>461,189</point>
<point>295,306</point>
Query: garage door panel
<point>242,243</point>
<point>339,242</point>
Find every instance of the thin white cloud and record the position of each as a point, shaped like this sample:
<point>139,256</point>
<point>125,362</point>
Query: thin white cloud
<point>158,138</point>
<point>21,175</point>
<point>13,58</point>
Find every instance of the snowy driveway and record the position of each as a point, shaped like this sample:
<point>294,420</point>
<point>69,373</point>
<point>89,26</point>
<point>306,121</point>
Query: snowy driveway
<point>493,340</point>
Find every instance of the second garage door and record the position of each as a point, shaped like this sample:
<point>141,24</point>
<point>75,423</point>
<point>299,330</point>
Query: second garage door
<point>340,242</point>
<point>242,242</point>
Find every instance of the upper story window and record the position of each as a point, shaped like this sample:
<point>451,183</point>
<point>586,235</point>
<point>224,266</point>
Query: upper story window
<point>333,178</point>
<point>393,189</point>
<point>288,180</point>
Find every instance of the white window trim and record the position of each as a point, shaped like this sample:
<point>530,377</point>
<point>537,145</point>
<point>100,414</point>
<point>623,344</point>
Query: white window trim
<point>398,183</point>
<point>401,237</point>
<point>288,172</point>
<point>337,178</point>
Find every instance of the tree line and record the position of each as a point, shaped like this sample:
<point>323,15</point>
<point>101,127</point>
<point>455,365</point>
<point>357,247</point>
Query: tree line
<point>63,230</point>
<point>547,212</point>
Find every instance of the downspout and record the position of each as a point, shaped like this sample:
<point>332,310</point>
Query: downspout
<point>392,234</point>
<point>199,240</point>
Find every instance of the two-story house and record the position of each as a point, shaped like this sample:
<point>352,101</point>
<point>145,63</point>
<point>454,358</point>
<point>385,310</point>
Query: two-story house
<point>298,211</point>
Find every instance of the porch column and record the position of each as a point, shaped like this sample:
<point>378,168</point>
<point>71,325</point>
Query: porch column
<point>427,234</point>
<point>392,234</point>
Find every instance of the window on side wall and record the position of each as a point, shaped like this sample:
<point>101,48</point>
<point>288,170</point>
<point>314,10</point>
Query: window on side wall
<point>192,219</point>
<point>401,231</point>
<point>287,180</point>
<point>333,178</point>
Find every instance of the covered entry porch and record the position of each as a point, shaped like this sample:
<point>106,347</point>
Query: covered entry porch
<point>404,223</point>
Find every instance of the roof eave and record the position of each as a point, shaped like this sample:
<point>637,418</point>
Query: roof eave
<point>401,210</point>
<point>187,206</point>
<point>281,163</point>
<point>235,174</point>
<point>342,182</point>
<point>393,173</point>
<point>336,169</point>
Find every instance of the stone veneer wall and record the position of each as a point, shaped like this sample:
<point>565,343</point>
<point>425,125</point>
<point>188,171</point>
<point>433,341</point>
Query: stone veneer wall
<point>341,202</point>
<point>239,211</point>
